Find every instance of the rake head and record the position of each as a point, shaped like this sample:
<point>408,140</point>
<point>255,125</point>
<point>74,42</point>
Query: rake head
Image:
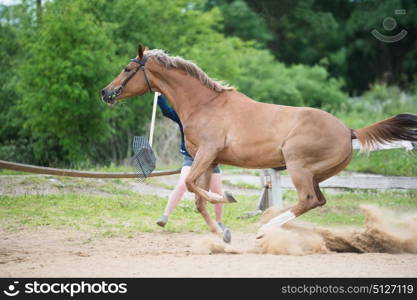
<point>144,158</point>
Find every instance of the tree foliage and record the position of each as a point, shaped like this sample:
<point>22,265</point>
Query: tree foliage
<point>59,79</point>
<point>55,58</point>
<point>338,34</point>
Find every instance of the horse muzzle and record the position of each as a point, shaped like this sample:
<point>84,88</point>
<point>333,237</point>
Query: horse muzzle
<point>109,97</point>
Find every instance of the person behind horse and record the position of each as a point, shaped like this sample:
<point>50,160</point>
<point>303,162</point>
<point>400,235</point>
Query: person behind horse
<point>180,189</point>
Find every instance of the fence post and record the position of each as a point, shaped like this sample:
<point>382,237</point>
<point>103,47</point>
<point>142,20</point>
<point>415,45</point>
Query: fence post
<point>266,194</point>
<point>271,194</point>
<point>276,191</point>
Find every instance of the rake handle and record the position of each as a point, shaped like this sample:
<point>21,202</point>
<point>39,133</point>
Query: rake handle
<point>155,101</point>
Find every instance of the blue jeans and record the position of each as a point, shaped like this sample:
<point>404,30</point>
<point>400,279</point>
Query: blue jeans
<point>188,161</point>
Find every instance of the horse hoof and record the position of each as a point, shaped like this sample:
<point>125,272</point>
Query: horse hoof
<point>229,197</point>
<point>227,236</point>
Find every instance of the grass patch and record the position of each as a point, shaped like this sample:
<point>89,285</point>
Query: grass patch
<point>158,183</point>
<point>111,189</point>
<point>125,213</point>
<point>10,172</point>
<point>395,162</point>
<point>241,184</point>
<point>111,215</point>
<point>343,208</point>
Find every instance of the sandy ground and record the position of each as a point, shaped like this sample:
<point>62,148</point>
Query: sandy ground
<point>45,252</point>
<point>58,253</point>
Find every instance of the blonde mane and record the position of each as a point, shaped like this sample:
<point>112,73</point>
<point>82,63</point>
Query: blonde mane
<point>189,67</point>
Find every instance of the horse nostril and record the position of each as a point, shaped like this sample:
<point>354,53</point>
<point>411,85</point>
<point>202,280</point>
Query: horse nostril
<point>103,93</point>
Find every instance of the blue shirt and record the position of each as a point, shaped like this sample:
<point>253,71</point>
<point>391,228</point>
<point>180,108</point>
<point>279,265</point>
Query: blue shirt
<point>170,113</point>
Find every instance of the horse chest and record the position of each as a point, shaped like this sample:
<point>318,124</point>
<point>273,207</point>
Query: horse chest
<point>193,138</point>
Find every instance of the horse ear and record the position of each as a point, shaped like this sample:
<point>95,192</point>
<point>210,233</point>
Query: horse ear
<point>141,49</point>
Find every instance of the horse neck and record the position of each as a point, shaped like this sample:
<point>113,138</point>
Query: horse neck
<point>185,93</point>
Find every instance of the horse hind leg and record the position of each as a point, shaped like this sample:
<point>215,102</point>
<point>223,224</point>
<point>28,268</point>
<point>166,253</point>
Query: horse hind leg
<point>308,192</point>
<point>306,183</point>
<point>326,173</point>
<point>321,199</point>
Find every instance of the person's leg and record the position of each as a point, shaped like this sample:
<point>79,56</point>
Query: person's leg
<point>175,196</point>
<point>178,192</point>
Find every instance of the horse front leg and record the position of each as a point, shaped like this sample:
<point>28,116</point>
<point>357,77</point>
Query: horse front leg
<point>202,162</point>
<point>198,182</point>
<point>203,182</point>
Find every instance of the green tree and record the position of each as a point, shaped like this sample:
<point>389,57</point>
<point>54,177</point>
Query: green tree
<point>337,34</point>
<point>391,63</point>
<point>267,80</point>
<point>59,80</point>
<point>8,54</point>
<point>13,145</point>
<point>241,21</point>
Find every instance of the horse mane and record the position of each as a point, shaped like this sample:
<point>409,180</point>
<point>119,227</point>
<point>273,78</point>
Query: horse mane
<point>189,67</point>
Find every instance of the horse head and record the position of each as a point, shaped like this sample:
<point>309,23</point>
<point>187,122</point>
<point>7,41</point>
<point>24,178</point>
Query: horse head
<point>131,81</point>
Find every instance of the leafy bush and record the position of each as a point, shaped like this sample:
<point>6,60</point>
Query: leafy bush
<point>377,104</point>
<point>394,162</point>
<point>59,82</point>
<point>267,80</point>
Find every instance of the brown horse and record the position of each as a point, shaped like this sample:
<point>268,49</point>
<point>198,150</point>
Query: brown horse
<point>222,125</point>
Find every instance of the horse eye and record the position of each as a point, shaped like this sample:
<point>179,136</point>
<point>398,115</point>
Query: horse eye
<point>127,70</point>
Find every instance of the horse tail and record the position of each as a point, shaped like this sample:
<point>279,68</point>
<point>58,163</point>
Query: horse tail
<point>400,127</point>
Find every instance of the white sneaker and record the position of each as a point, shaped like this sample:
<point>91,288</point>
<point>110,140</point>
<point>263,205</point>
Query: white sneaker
<point>162,221</point>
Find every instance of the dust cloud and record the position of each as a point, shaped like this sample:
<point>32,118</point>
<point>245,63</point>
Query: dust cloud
<point>385,231</point>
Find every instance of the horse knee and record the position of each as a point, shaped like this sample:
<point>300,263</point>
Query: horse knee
<point>189,185</point>
<point>200,205</point>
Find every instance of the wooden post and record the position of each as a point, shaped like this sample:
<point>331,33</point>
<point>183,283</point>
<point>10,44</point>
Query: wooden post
<point>264,202</point>
<point>271,193</point>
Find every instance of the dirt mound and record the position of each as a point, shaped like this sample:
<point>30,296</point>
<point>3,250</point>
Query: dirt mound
<point>384,232</point>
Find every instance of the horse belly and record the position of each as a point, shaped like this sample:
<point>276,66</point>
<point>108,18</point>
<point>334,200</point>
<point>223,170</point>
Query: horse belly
<point>255,156</point>
<point>258,143</point>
